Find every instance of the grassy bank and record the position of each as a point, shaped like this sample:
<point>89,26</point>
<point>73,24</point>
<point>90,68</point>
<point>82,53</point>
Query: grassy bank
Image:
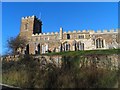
<point>86,52</point>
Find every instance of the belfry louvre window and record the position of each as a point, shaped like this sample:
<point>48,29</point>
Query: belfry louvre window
<point>99,43</point>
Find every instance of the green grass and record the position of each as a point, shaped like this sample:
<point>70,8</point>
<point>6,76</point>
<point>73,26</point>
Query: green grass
<point>86,52</point>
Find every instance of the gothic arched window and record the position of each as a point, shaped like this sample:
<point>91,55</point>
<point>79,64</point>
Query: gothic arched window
<point>99,43</point>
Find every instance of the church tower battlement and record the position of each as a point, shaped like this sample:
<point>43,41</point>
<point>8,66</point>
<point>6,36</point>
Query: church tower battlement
<point>30,25</point>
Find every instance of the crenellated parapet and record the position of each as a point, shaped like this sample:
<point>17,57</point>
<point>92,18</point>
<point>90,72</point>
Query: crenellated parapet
<point>103,31</point>
<point>79,31</point>
<point>41,34</point>
<point>107,31</point>
<point>30,17</point>
<point>69,31</point>
<point>75,31</point>
<point>64,32</point>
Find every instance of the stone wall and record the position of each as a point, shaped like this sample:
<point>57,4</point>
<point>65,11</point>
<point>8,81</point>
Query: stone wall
<point>100,61</point>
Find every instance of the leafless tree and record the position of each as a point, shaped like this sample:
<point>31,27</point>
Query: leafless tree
<point>15,43</point>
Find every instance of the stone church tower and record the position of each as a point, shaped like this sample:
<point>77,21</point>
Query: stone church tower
<point>29,26</point>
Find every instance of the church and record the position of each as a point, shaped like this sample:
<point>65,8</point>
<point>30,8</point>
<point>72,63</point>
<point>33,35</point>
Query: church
<point>76,40</point>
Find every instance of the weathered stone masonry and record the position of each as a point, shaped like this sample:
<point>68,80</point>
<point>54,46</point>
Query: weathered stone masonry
<point>40,43</point>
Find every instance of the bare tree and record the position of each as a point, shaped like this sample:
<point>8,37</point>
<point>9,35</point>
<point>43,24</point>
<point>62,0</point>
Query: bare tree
<point>16,43</point>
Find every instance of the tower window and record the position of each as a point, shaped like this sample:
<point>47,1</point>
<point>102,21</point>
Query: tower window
<point>26,26</point>
<point>36,39</point>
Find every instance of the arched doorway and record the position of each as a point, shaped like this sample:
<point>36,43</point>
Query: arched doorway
<point>80,46</point>
<point>74,45</point>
